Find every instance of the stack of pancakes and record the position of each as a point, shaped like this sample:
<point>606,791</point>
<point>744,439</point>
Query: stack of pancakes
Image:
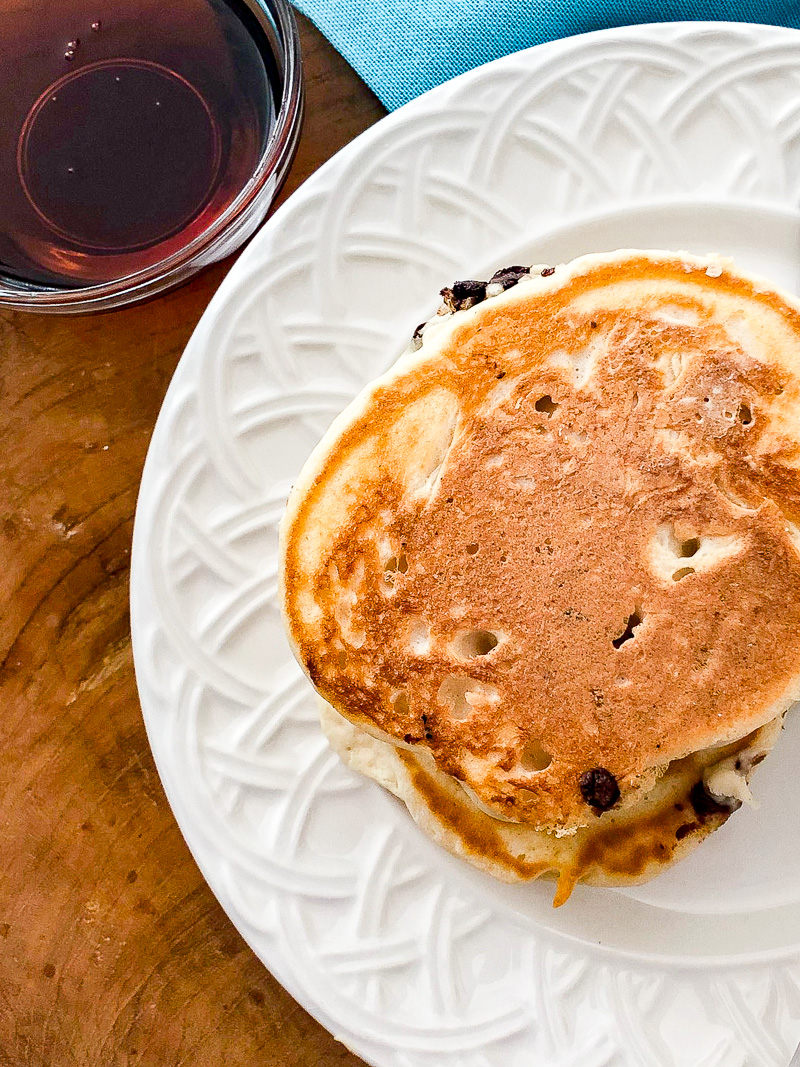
<point>545,573</point>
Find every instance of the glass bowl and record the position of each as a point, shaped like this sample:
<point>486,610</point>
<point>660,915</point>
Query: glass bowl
<point>230,229</point>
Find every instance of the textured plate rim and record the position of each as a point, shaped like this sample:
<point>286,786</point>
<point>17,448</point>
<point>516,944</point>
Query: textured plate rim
<point>274,961</point>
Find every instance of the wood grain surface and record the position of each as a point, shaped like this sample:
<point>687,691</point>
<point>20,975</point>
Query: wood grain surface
<point>113,951</point>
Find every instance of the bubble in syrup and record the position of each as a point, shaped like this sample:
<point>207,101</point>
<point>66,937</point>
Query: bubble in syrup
<point>96,25</point>
<point>70,170</point>
<point>74,43</point>
<point>69,55</point>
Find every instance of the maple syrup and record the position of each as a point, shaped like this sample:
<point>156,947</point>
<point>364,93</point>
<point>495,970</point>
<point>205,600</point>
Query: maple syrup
<point>128,128</point>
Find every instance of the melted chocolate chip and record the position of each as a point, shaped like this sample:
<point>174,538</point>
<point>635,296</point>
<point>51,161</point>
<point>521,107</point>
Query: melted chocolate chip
<point>599,788</point>
<point>464,294</point>
<point>686,829</point>
<point>508,276</point>
<point>548,271</point>
<point>704,804</point>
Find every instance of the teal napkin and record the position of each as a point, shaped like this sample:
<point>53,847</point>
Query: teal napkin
<point>403,47</point>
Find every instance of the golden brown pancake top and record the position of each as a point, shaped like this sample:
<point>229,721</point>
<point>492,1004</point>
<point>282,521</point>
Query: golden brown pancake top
<point>602,573</point>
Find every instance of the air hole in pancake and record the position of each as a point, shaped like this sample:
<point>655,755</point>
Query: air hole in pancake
<point>396,564</point>
<point>745,415</point>
<point>534,758</point>
<point>689,547</point>
<point>472,549</point>
<point>400,703</point>
<point>671,551</point>
<point>461,695</point>
<point>475,643</point>
<point>634,620</point>
<point>419,637</point>
<point>546,405</point>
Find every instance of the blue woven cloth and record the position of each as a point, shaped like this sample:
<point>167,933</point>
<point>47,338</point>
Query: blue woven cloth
<point>403,47</point>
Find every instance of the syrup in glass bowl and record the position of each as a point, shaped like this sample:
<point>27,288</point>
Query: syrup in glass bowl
<point>130,128</point>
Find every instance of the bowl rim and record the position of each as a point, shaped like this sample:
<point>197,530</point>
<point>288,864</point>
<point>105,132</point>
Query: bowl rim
<point>244,213</point>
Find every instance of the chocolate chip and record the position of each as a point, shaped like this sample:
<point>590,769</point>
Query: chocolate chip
<point>704,804</point>
<point>686,829</point>
<point>548,271</point>
<point>502,374</point>
<point>508,276</point>
<point>464,294</point>
<point>599,788</point>
<point>449,298</point>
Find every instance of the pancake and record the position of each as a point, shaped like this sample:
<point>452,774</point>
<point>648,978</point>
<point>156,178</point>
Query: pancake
<point>554,552</point>
<point>620,849</point>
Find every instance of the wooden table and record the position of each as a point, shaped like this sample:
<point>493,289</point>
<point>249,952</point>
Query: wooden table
<point>113,950</point>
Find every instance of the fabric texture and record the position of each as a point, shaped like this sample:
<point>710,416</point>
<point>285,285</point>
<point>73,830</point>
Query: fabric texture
<point>403,47</point>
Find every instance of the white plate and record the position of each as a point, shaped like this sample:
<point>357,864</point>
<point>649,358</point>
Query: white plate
<point>678,136</point>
